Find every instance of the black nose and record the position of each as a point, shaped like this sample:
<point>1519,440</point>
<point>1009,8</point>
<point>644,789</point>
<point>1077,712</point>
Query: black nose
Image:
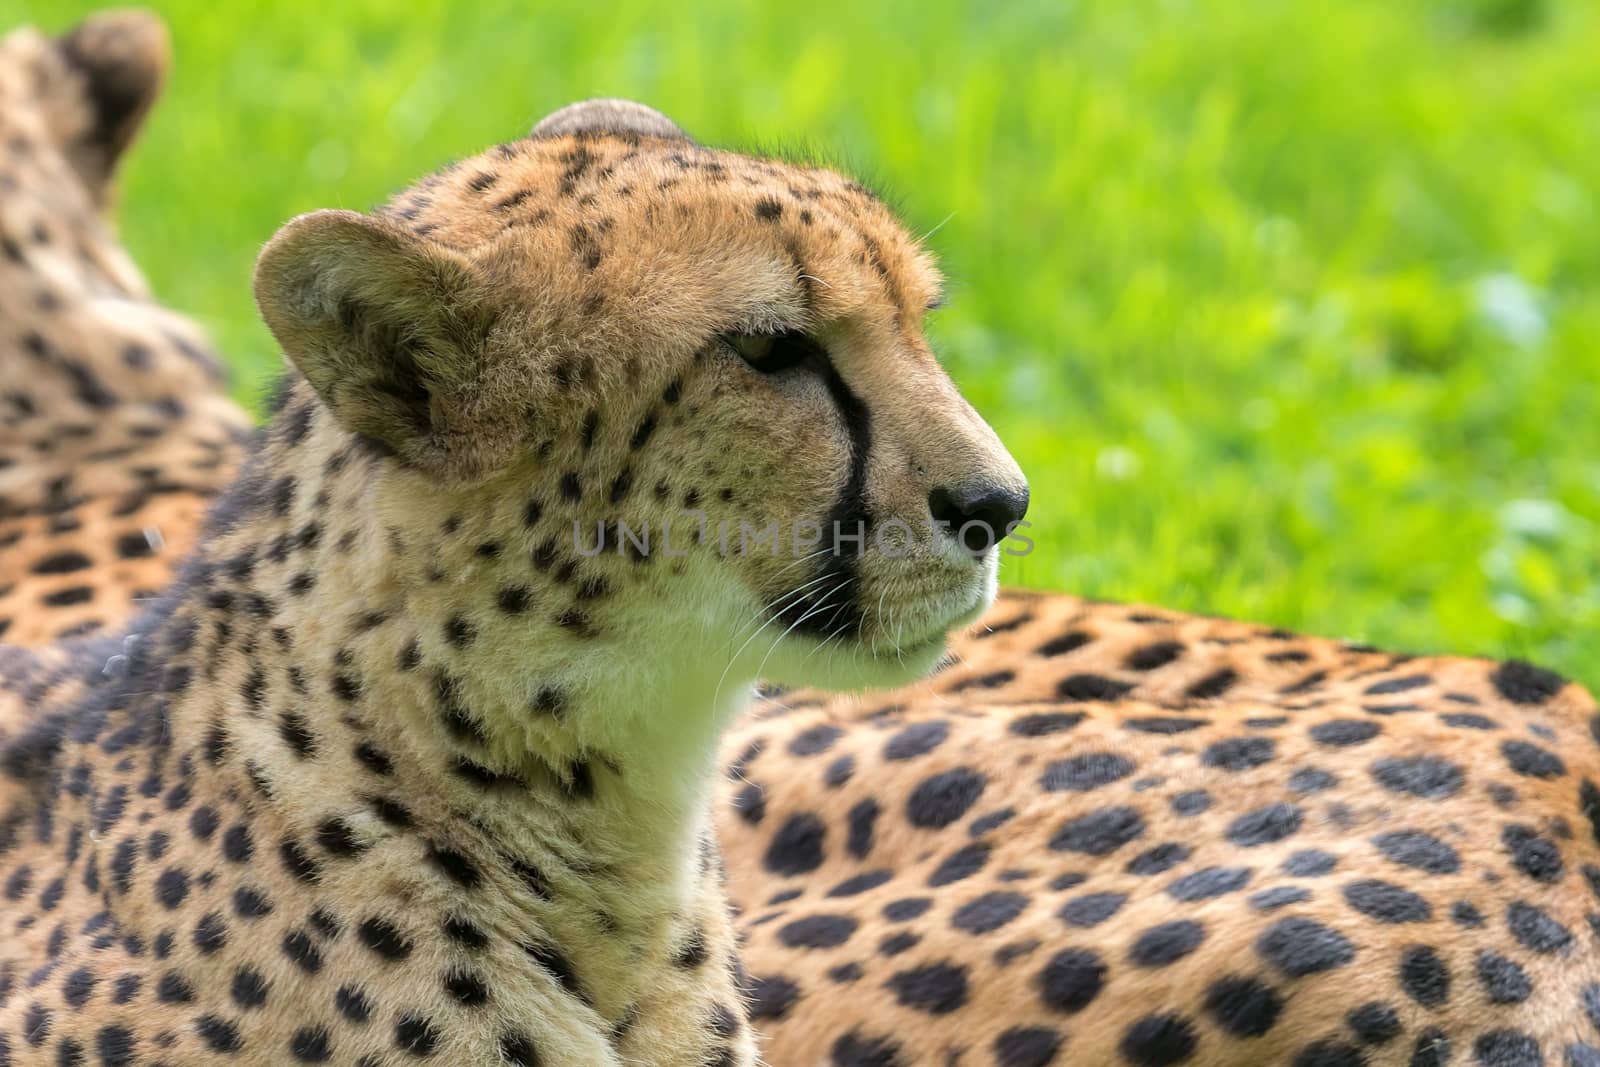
<point>978,516</point>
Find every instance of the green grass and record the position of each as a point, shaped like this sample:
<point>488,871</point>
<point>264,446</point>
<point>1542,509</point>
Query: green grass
<point>1291,310</point>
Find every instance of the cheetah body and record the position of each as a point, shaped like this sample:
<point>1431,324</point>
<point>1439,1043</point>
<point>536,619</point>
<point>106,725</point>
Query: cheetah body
<point>1117,835</point>
<point>114,432</point>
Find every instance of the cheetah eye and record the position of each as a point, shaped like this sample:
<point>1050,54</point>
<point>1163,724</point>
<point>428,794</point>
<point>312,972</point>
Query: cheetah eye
<point>771,353</point>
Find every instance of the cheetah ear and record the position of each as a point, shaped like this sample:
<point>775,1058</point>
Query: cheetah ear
<point>389,329</point>
<point>122,59</point>
<point>608,115</point>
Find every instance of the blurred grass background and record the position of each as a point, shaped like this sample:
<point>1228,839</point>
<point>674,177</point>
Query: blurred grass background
<point>1290,310</point>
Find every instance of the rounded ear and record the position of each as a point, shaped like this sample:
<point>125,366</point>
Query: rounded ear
<point>388,328</point>
<point>122,57</point>
<point>608,115</point>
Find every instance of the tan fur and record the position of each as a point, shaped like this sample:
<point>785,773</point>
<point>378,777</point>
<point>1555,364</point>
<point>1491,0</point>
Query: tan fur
<point>114,431</point>
<point>1120,707</point>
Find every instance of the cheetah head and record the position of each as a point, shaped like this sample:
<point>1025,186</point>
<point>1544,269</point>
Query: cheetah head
<point>691,385</point>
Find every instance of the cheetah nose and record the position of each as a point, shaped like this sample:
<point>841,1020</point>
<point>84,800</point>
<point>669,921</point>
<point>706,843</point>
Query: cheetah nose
<point>978,516</point>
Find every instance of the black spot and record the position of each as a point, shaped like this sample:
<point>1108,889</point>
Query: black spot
<point>1523,683</point>
<point>1060,646</point>
<point>311,1044</point>
<point>210,933</point>
<point>1265,825</point>
<point>1374,1023</point>
<point>384,938</point>
<point>1164,724</point>
<point>1309,863</point>
<point>1535,930</point>
<point>466,988</point>
<point>1212,685</point>
<point>857,1050</point>
<point>1424,976</point>
<point>1159,1040</point>
<point>1330,1053</point>
<point>220,1034</point>
<point>249,989</point>
<point>1424,852</point>
<point>1299,947</point>
<point>1092,687</point>
<point>1091,909</point>
<point>1209,882</point>
<point>373,758</point>
<point>1427,777</point>
<point>1432,1049</point>
<point>1310,780</point>
<point>338,839</point>
<point>817,739</point>
<point>1191,802</point>
<point>1099,832</point>
<point>457,866</point>
<point>751,803</point>
<point>1532,761</point>
<point>1532,853</point>
<point>817,931</point>
<point>1046,723</point>
<point>1344,733</point>
<point>513,599</point>
<point>1166,943</point>
<point>302,951</point>
<point>1507,1048</point>
<point>989,912</point>
<point>771,997</point>
<point>416,1034</point>
<point>1243,1007</point>
<point>1159,859</point>
<point>77,987</point>
<point>943,798</point>
<point>114,1043</point>
<point>1239,753</point>
<point>962,863</point>
<point>797,847</point>
<point>1031,1046</point>
<point>918,739</point>
<point>172,886</point>
<point>1466,720</point>
<point>938,988</point>
<point>1155,655</point>
<point>1083,773</point>
<point>1398,685</point>
<point>174,988</point>
<point>1386,902</point>
<point>301,866</point>
<point>353,1004</point>
<point>1503,980</point>
<point>1071,980</point>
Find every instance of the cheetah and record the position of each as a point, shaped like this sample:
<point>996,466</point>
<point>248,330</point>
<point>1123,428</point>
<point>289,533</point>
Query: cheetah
<point>1110,834</point>
<point>415,758</point>
<point>115,431</point>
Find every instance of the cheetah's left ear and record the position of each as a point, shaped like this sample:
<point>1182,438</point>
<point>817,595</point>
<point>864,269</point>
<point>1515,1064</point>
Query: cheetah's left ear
<point>389,328</point>
<point>608,115</point>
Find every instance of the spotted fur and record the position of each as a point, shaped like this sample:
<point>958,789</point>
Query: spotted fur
<point>114,432</point>
<point>1118,835</point>
<point>399,768</point>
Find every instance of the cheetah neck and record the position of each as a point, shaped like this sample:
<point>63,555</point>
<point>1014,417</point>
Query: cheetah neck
<point>380,689</point>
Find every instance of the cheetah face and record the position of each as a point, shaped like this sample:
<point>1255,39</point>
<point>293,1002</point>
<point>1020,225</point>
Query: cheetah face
<point>709,364</point>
